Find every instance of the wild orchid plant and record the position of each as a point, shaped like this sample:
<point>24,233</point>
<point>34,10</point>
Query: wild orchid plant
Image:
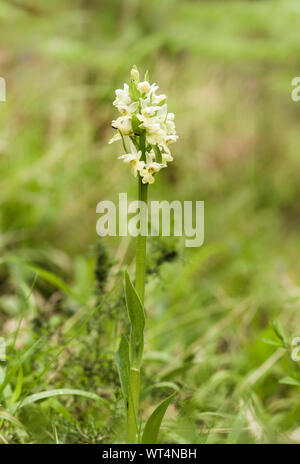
<point>145,121</point>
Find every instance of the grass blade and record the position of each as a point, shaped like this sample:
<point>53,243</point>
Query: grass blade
<point>59,392</point>
<point>238,425</point>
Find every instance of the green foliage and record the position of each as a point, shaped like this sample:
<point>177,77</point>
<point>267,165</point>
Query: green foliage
<point>62,391</point>
<point>152,426</point>
<point>278,329</point>
<point>290,381</point>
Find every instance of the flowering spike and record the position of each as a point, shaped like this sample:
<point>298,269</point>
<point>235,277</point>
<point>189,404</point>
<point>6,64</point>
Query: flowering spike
<point>145,119</point>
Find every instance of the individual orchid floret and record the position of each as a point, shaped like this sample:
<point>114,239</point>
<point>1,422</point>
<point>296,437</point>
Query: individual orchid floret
<point>148,171</point>
<point>122,97</point>
<point>123,124</point>
<point>166,158</point>
<point>134,159</point>
<point>146,121</point>
<point>150,168</point>
<point>144,87</point>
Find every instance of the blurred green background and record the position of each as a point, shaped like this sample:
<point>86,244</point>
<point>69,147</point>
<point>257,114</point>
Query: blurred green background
<point>221,318</point>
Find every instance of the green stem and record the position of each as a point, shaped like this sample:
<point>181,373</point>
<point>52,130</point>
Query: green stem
<point>134,381</point>
<point>141,249</point>
<point>133,404</point>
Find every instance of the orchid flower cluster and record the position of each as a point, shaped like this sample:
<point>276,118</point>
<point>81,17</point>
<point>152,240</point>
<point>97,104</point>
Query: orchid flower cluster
<point>146,121</point>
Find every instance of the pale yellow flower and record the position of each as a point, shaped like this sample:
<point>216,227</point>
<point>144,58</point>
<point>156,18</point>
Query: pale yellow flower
<point>134,159</point>
<point>144,113</point>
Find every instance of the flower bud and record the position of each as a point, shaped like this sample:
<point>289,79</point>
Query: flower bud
<point>135,75</point>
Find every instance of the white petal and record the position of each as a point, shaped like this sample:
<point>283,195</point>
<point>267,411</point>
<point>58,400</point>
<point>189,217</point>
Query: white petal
<point>115,138</point>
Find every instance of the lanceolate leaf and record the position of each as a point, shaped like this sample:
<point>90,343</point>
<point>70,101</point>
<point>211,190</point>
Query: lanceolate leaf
<point>153,423</point>
<point>123,366</point>
<point>137,319</point>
